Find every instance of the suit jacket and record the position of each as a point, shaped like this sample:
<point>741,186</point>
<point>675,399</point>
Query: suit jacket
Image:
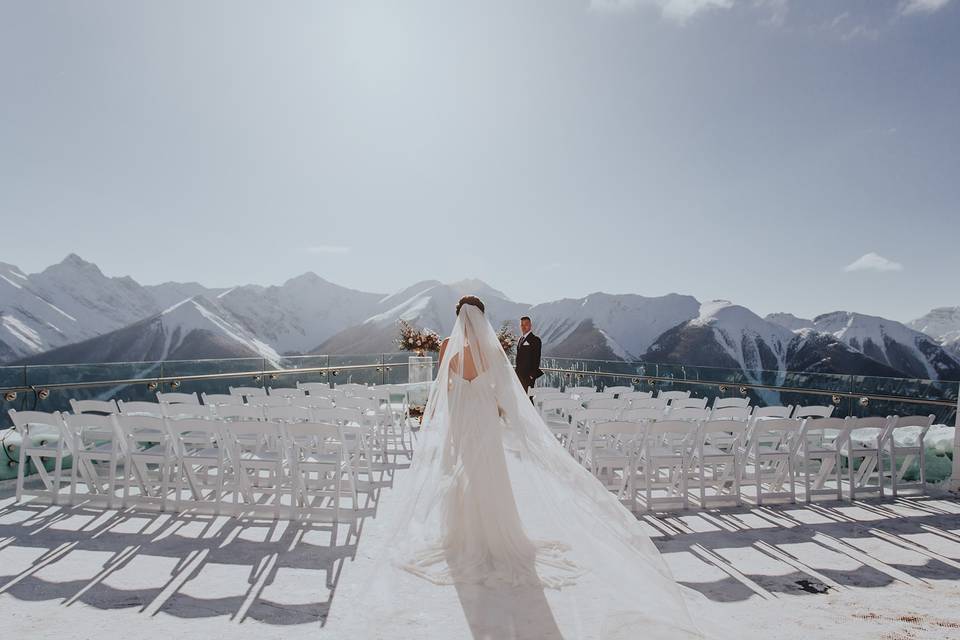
<point>528,357</point>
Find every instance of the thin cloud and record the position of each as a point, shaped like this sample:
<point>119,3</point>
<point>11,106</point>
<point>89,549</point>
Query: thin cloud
<point>678,11</point>
<point>910,7</point>
<point>873,262</point>
<point>328,248</point>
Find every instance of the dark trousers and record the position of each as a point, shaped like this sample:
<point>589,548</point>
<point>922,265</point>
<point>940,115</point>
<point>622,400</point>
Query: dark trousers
<point>526,381</point>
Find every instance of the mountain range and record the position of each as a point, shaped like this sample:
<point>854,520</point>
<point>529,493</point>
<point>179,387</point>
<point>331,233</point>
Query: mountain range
<point>71,312</point>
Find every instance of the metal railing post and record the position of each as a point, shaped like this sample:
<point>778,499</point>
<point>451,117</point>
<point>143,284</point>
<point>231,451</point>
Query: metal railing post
<point>955,475</point>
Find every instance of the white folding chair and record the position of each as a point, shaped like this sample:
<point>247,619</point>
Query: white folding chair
<point>268,401</point>
<point>171,397</point>
<point>221,399</point>
<point>613,446</point>
<point>315,388</point>
<point>670,396</point>
<point>150,459</point>
<point>199,448</point>
<point>256,456</point>
<point>641,415</point>
<point>43,437</point>
<point>723,403</point>
<point>649,403</point>
<point>636,395</point>
<point>771,452</point>
<point>904,444</point>
<point>287,392</point>
<point>718,458</point>
<point>664,463</point>
<point>236,413</point>
<point>580,424</point>
<point>691,414</point>
<point>813,411</point>
<point>556,412</point>
<point>248,392</point>
<point>182,411</point>
<point>775,411</point>
<point>138,408</point>
<point>97,443</point>
<point>318,466</point>
<point>864,444</point>
<point>688,403</point>
<point>731,413</point>
<point>102,407</point>
<point>819,443</point>
<point>605,403</point>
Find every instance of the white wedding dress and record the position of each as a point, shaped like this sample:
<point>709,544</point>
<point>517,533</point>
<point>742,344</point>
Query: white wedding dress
<point>497,529</point>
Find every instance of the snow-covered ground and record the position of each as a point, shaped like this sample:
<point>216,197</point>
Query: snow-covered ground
<point>872,569</point>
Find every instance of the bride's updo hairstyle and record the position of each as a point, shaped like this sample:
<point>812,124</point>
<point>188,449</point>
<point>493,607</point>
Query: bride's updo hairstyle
<point>471,300</point>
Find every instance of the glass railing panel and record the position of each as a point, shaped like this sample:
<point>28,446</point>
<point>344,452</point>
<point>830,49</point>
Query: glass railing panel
<point>358,369</point>
<point>11,377</point>
<point>175,368</point>
<point>103,377</point>
<point>395,367</point>
<point>300,369</point>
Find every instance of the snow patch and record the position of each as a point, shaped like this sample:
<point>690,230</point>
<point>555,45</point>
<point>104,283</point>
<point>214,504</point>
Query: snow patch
<point>22,332</point>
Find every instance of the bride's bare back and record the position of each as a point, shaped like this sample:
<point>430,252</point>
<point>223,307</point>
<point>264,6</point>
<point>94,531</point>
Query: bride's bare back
<point>469,369</point>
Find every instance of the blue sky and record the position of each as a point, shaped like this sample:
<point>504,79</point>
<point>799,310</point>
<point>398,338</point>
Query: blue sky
<point>789,155</point>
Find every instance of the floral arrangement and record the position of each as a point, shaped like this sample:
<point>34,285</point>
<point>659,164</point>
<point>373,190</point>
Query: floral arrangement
<point>507,338</point>
<point>419,340</point>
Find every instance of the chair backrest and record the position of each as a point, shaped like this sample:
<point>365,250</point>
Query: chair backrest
<point>660,428</point>
<point>774,411</point>
<point>825,428</point>
<point>191,433</point>
<point>669,396</point>
<point>562,404</point>
<point>626,434</point>
<point>236,413</point>
<point>337,415</point>
<point>731,413</point>
<point>248,392</point>
<point>318,388</point>
<point>103,407</point>
<point>605,403</point>
<point>268,401</point>
<point>358,402</point>
<point>141,431</point>
<point>688,403</point>
<point>594,415</point>
<point>816,411</point>
<point>921,423</point>
<point>648,403</point>
<point>618,391</point>
<point>172,397</point>
<point>690,414</point>
<point>575,391</point>
<point>140,408</point>
<point>221,399</point>
<point>722,403</point>
<point>732,432</point>
<point>352,388</point>
<point>305,438</point>
<point>641,414</point>
<point>776,433</point>
<point>287,392</point>
<point>288,414</point>
<point>181,411</point>
<point>312,401</point>
<point>636,395</point>
<point>88,428</point>
<point>548,393</point>
<point>43,421</point>
<point>872,430</point>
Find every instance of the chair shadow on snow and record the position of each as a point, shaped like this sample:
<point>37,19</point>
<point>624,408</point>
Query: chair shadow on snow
<point>187,565</point>
<point>735,554</point>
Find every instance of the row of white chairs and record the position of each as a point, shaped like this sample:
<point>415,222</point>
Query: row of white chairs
<point>160,446</point>
<point>861,443</point>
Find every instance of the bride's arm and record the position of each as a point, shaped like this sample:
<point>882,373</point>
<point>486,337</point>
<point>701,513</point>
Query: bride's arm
<point>443,348</point>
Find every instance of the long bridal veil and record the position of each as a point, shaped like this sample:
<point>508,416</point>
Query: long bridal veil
<point>493,501</point>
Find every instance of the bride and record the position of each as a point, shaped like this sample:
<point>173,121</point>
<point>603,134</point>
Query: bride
<point>497,513</point>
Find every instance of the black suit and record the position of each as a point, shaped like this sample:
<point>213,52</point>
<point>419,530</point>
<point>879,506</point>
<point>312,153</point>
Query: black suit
<point>528,360</point>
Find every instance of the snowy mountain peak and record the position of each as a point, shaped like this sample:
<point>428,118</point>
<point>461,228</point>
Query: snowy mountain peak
<point>941,324</point>
<point>789,321</point>
<point>476,287</point>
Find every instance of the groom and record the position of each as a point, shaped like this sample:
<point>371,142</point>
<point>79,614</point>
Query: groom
<point>528,355</point>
